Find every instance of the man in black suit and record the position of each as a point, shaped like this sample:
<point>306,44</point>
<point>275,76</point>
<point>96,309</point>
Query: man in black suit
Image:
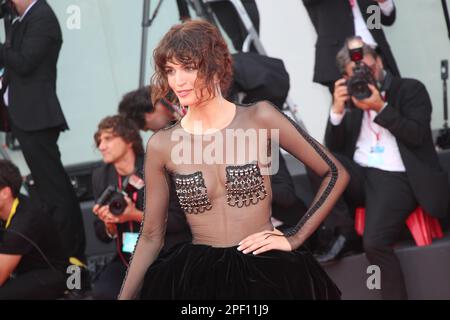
<point>335,21</point>
<point>30,57</point>
<point>385,143</point>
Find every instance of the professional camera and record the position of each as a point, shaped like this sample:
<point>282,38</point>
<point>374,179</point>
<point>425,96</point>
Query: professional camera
<point>362,75</point>
<point>7,9</point>
<point>115,198</point>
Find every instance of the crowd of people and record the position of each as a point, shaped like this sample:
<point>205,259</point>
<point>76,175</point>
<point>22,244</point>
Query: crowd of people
<point>180,226</point>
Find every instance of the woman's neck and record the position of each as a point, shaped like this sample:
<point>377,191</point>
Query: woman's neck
<point>213,114</point>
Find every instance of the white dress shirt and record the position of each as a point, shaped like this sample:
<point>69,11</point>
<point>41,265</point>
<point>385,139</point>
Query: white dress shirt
<point>390,159</point>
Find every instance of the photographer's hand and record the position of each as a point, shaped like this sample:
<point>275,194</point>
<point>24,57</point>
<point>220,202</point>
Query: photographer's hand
<point>102,213</point>
<point>130,214</point>
<point>374,102</point>
<point>340,96</point>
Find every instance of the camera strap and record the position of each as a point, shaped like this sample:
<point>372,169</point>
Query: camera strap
<point>12,213</point>
<point>135,194</point>
<point>377,134</point>
<point>134,197</point>
<point>369,117</point>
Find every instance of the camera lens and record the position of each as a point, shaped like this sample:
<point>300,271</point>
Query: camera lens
<point>359,89</point>
<point>117,205</point>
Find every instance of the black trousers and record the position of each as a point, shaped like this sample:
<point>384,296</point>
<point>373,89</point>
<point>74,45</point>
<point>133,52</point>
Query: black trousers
<point>53,186</point>
<point>388,200</point>
<point>45,284</point>
<point>232,24</point>
<point>108,285</point>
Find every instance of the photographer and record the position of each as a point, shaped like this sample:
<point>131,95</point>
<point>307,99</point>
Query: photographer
<point>118,139</point>
<point>32,264</point>
<point>379,128</point>
<point>121,146</point>
<point>34,115</point>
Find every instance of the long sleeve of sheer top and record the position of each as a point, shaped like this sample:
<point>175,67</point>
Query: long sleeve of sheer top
<point>302,146</point>
<point>153,227</point>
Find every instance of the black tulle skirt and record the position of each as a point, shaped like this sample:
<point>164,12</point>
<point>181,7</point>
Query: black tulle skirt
<point>190,271</point>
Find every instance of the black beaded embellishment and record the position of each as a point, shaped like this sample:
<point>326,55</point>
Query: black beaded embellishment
<point>245,185</point>
<point>192,193</point>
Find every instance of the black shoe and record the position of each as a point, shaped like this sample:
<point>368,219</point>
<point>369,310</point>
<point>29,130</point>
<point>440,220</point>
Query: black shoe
<point>340,247</point>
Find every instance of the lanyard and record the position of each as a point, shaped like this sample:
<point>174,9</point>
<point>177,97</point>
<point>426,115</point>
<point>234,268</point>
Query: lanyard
<point>377,134</point>
<point>12,213</point>
<point>134,197</point>
<point>135,194</point>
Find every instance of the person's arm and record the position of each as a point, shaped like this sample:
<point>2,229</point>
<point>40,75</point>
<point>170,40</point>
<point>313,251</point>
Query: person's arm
<point>335,178</point>
<point>307,150</point>
<point>8,263</point>
<point>335,134</point>
<point>335,131</point>
<point>183,10</point>
<point>151,236</point>
<point>411,126</point>
<point>37,41</point>
<point>388,12</point>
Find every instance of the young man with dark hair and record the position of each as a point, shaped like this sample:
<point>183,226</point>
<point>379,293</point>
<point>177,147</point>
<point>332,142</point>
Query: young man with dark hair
<point>32,263</point>
<point>120,144</point>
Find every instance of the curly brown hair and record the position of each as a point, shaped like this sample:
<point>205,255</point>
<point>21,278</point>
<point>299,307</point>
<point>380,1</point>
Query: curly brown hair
<point>121,127</point>
<point>195,43</point>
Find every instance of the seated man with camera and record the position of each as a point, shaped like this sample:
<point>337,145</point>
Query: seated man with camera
<point>379,128</point>
<point>32,263</point>
<point>118,188</point>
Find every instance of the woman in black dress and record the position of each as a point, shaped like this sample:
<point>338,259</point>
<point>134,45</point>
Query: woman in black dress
<point>220,157</point>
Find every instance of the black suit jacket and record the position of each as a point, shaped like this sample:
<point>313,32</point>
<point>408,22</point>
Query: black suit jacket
<point>333,22</point>
<point>30,62</point>
<point>407,116</point>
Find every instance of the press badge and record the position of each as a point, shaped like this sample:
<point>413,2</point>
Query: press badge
<point>376,156</point>
<point>129,240</point>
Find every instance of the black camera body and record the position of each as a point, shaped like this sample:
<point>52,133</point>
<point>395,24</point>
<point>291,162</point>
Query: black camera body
<point>358,84</point>
<point>114,198</point>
